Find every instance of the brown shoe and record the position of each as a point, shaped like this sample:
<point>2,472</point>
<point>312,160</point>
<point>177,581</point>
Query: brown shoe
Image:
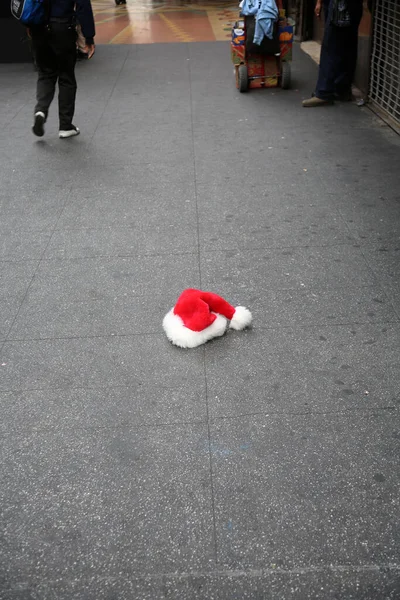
<point>314,101</point>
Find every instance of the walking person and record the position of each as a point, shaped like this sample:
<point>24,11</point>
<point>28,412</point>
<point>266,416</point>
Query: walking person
<point>338,51</point>
<point>54,45</point>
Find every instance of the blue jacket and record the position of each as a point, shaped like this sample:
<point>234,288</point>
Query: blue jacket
<point>266,13</point>
<point>82,9</point>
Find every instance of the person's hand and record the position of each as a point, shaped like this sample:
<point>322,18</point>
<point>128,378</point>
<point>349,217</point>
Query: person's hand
<point>89,50</point>
<point>317,9</point>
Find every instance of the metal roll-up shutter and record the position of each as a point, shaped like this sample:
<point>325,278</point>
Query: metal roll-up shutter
<point>385,66</point>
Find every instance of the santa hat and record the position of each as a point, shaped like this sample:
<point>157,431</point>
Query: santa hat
<point>200,316</point>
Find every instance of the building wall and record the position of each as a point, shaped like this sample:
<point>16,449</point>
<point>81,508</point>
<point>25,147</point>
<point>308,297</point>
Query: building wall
<point>385,65</point>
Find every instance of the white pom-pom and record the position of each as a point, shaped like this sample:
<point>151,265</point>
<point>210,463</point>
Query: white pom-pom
<point>241,319</point>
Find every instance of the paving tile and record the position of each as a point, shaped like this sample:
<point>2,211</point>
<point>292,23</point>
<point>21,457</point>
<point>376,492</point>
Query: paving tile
<point>156,146</point>
<point>15,278</point>
<point>277,197</point>
<point>289,308</point>
<point>152,115</point>
<point>243,273</point>
<point>136,176</point>
<point>260,156</point>
<point>111,502</point>
<point>357,584</point>
<point>342,175</point>
<point>34,180</point>
<point>384,262</point>
<point>142,71</point>
<point>32,209</point>
<point>362,584</point>
<point>160,238</point>
<point>274,144</point>
<point>372,221</point>
<point>113,207</point>
<point>90,588</point>
<point>49,153</point>
<point>22,245</point>
<point>144,402</point>
<point>342,118</point>
<point>159,102</point>
<point>347,182</point>
<point>104,296</point>
<point>258,170</point>
<point>255,225</point>
<point>97,363</point>
<point>287,297</point>
<point>302,370</point>
<point>298,492</point>
<point>380,147</point>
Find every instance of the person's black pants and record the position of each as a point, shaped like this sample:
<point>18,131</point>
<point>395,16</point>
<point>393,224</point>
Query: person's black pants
<point>55,53</point>
<point>338,54</point>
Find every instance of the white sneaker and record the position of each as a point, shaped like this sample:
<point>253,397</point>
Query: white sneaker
<point>38,125</point>
<point>66,133</point>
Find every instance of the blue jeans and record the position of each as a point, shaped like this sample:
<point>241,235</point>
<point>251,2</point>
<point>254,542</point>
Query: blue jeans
<point>338,54</point>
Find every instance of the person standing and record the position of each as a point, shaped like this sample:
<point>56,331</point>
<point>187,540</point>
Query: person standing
<point>338,51</point>
<point>54,45</point>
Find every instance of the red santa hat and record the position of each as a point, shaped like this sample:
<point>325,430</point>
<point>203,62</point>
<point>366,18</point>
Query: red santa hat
<point>200,316</point>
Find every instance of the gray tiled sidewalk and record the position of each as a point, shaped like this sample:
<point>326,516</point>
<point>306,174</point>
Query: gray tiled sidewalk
<point>264,465</point>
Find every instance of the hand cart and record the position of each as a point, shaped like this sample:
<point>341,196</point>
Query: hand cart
<point>267,65</point>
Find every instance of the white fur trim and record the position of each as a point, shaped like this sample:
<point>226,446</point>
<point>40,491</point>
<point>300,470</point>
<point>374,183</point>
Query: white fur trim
<point>184,337</point>
<point>241,319</point>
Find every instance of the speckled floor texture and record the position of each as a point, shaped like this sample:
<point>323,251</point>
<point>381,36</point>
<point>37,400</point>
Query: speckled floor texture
<point>264,465</point>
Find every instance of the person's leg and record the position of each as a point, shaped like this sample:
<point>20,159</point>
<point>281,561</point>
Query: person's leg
<point>347,51</point>
<point>325,88</point>
<point>346,63</point>
<point>47,70</point>
<point>64,44</point>
<point>331,56</point>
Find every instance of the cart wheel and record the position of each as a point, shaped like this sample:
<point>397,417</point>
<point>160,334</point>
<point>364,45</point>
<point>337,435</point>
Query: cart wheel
<point>286,75</point>
<point>243,79</point>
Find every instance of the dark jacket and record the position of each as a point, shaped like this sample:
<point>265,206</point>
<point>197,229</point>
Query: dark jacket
<point>69,9</point>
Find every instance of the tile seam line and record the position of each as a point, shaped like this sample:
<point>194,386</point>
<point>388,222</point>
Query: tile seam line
<point>308,413</point>
<point>134,426</point>
<point>105,388</point>
<point>179,253</point>
<point>110,96</point>
<point>17,113</point>
<point>68,389</point>
<point>37,266</point>
<point>114,256</point>
<point>160,333</point>
<point>212,491</point>
<point>201,252</point>
<point>210,459</point>
<point>331,568</point>
<point>189,71</point>
<point>110,388</point>
<point>120,426</point>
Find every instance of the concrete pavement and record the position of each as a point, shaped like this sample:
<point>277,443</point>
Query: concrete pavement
<point>262,465</point>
